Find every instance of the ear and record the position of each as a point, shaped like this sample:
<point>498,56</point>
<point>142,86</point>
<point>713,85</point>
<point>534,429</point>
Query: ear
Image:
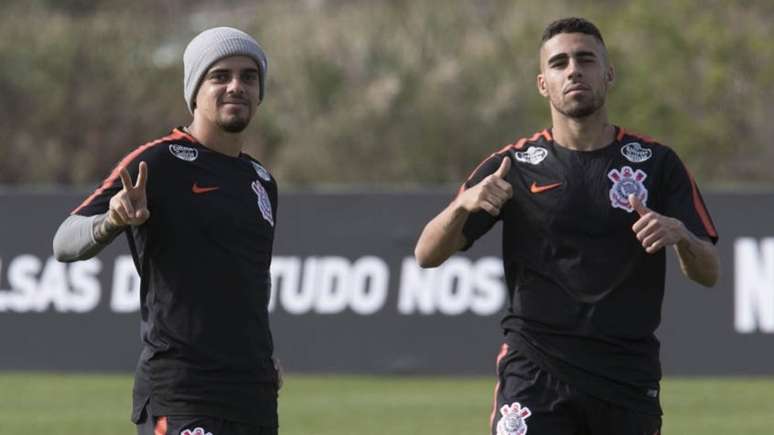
<point>610,75</point>
<point>541,85</point>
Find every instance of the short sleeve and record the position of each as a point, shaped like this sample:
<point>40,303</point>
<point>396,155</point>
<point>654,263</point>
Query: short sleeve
<point>684,201</point>
<point>480,222</point>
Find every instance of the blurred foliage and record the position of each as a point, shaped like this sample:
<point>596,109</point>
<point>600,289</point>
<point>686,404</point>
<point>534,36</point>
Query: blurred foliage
<point>381,92</point>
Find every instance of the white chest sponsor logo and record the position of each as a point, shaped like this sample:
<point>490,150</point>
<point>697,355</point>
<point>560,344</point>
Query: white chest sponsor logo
<point>627,181</point>
<point>533,155</point>
<point>261,171</point>
<point>513,419</point>
<point>183,152</point>
<point>197,431</point>
<point>635,153</point>
<point>264,204</point>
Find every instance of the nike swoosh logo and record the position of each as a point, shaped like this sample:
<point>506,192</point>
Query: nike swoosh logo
<point>534,188</point>
<point>197,189</point>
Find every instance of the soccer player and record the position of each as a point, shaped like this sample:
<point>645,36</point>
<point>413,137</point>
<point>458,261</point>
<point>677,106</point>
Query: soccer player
<point>199,216</point>
<point>588,209</point>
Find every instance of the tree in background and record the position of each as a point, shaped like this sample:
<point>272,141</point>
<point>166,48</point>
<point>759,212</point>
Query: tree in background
<point>392,92</point>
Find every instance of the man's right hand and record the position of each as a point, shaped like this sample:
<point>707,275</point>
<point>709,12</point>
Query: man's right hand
<point>490,194</point>
<point>127,207</point>
<point>442,236</point>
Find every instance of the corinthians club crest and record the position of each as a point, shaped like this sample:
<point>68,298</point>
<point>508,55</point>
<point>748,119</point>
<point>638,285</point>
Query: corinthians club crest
<point>264,204</point>
<point>513,419</point>
<point>261,171</point>
<point>627,181</point>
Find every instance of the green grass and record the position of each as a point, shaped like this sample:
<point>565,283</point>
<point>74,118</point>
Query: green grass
<point>64,404</point>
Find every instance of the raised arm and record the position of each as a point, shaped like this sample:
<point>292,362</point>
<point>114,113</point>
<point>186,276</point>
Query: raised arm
<point>443,236</point>
<point>82,237</point>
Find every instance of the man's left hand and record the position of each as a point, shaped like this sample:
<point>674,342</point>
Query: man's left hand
<point>654,230</point>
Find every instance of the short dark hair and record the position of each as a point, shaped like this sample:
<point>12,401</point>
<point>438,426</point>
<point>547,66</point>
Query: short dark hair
<point>571,25</point>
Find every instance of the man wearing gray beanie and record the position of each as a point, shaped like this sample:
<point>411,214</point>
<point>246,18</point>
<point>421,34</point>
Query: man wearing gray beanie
<point>212,45</point>
<point>201,232</point>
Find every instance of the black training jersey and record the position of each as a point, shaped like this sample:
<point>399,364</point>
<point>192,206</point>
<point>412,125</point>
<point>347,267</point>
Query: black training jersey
<point>585,298</point>
<point>203,257</point>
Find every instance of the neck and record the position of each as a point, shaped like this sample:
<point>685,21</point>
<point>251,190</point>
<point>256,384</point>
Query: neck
<point>587,134</point>
<point>216,139</point>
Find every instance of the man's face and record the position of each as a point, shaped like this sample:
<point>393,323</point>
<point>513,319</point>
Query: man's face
<point>574,74</point>
<point>229,93</point>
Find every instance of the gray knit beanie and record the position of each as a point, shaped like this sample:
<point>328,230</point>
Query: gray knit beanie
<point>212,45</point>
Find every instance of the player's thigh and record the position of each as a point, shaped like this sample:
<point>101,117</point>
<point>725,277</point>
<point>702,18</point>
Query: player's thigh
<point>608,419</point>
<point>194,425</point>
<point>234,428</point>
<point>528,399</point>
<point>180,425</point>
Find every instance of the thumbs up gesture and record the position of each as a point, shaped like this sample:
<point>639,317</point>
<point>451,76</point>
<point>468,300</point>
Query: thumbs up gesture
<point>655,230</point>
<point>491,193</point>
<point>505,167</point>
<point>130,206</point>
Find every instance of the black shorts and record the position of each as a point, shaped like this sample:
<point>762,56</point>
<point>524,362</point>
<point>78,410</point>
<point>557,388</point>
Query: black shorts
<point>529,400</point>
<point>196,425</point>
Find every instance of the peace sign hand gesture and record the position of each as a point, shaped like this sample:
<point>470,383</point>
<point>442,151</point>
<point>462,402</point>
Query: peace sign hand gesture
<point>130,206</point>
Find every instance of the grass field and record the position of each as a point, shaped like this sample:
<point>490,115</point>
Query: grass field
<point>59,404</point>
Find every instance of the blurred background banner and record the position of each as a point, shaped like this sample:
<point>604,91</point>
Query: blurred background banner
<point>348,296</point>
